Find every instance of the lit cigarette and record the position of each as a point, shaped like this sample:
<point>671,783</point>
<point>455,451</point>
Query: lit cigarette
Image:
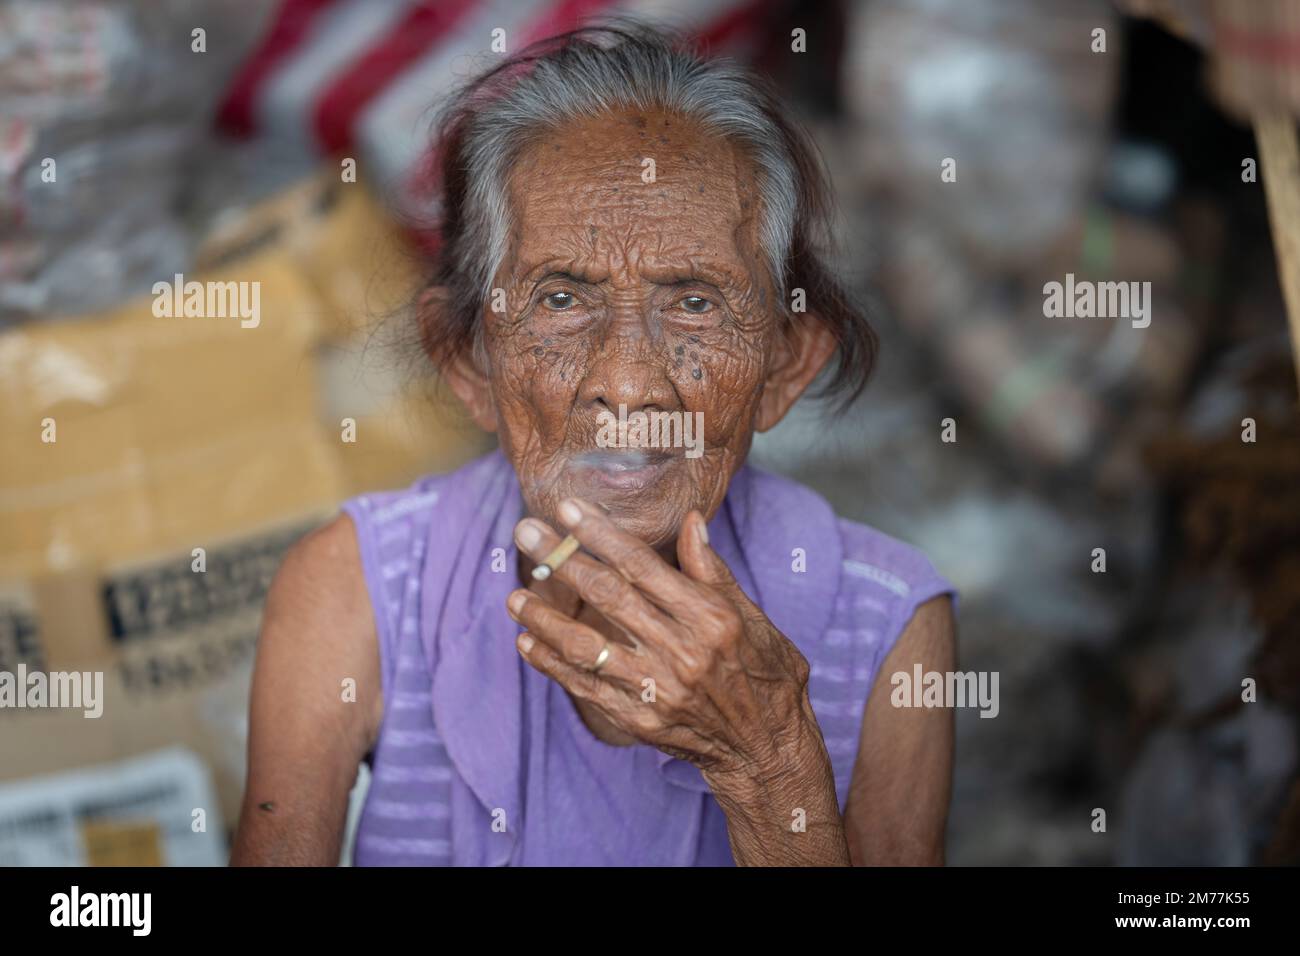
<point>551,563</point>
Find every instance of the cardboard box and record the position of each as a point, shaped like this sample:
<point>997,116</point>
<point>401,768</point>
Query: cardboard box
<point>175,647</point>
<point>174,434</point>
<point>171,434</point>
<point>166,429</point>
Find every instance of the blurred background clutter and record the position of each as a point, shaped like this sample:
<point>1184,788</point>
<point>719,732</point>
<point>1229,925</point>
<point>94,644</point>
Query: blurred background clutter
<point>289,143</point>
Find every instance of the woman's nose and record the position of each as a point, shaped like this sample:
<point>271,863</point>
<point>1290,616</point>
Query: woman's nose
<point>628,370</point>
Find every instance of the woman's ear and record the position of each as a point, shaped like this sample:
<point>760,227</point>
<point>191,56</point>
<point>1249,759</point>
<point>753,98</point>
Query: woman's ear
<point>468,382</point>
<point>802,350</point>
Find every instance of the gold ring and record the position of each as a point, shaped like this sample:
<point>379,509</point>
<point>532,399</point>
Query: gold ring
<point>601,659</point>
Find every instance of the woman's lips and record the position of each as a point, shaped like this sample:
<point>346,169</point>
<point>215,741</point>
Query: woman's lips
<point>623,470</point>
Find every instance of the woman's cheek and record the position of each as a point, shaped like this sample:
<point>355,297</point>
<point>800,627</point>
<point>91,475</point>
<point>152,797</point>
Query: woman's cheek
<point>551,378</point>
<point>726,390</point>
<point>536,395</point>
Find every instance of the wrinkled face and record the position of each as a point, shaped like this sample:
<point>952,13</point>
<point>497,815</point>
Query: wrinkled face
<point>624,294</point>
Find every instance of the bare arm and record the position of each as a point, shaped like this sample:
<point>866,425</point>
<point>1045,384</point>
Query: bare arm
<point>305,740</point>
<point>897,807</point>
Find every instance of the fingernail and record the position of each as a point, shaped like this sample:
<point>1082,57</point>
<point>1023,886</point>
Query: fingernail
<point>516,602</point>
<point>570,513</point>
<point>528,535</point>
<point>525,642</point>
<point>704,530</point>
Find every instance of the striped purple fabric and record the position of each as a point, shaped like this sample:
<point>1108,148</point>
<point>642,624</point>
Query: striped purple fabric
<point>540,789</point>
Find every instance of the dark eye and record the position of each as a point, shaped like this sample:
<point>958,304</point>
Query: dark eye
<point>696,304</point>
<point>559,300</point>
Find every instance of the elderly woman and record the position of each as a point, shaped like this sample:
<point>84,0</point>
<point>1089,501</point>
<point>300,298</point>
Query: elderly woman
<point>629,235</point>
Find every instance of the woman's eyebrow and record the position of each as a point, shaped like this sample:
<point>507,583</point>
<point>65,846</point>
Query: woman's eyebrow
<point>679,277</point>
<point>673,282</point>
<point>579,278</point>
<point>669,277</point>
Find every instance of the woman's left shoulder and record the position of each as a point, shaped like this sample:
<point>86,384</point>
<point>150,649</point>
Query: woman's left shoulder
<point>871,554</point>
<point>885,571</point>
<point>871,562</point>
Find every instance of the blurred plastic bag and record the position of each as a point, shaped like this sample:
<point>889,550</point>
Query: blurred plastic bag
<point>1010,89</point>
<point>107,112</point>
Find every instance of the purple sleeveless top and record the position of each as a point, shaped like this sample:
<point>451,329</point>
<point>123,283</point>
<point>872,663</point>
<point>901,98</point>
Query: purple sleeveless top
<point>481,760</point>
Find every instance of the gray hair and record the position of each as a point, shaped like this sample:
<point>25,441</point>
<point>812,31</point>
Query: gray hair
<point>643,72</point>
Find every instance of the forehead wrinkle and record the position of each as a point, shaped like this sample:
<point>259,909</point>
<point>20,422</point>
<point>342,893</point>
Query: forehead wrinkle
<point>745,234</point>
<point>520,202</point>
<point>643,234</point>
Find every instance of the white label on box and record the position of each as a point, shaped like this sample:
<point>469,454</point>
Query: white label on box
<point>44,820</point>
